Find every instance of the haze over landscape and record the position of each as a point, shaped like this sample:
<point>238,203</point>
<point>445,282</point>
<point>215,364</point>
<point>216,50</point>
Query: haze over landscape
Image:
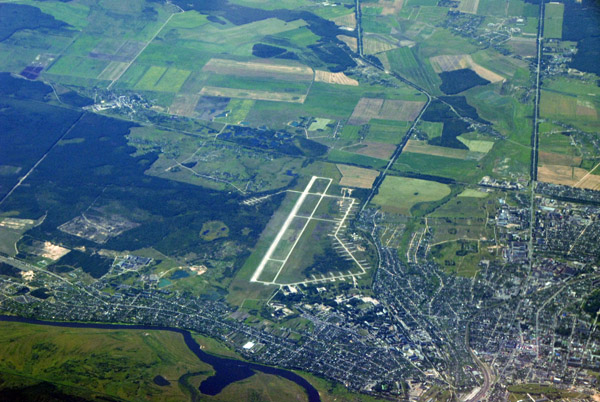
<point>254,200</point>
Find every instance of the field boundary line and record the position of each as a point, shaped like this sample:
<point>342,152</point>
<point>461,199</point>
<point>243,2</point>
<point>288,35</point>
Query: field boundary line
<point>142,50</point>
<point>586,175</point>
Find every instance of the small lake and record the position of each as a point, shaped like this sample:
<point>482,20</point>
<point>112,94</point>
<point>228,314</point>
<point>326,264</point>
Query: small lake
<point>227,371</point>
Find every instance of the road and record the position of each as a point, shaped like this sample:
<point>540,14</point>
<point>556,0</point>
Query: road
<point>22,179</point>
<point>408,134</point>
<point>487,379</point>
<point>142,50</point>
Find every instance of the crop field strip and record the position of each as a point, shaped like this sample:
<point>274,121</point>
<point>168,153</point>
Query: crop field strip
<point>469,6</point>
<point>384,109</point>
<point>275,259</point>
<point>252,94</point>
<point>553,20</point>
<point>353,176</point>
<point>292,72</point>
<point>445,63</point>
<point>123,70</point>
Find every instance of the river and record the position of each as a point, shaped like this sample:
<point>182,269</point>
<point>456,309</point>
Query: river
<point>227,371</point>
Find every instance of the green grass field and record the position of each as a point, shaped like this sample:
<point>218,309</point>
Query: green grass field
<point>172,80</point>
<point>553,20</point>
<point>459,257</point>
<point>150,78</point>
<point>404,61</point>
<point>115,363</point>
<point>84,67</point>
<point>350,133</point>
<point>461,170</point>
<point>188,20</point>
<point>518,8</point>
<point>121,364</point>
<point>473,193</point>
<point>338,156</point>
<point>73,13</point>
<point>387,131</point>
<point>400,194</point>
<point>11,230</point>
<point>481,146</point>
<point>432,129</point>
<point>239,109</point>
<point>492,8</point>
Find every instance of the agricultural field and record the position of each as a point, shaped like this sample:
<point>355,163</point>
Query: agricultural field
<point>388,131</point>
<point>469,6</point>
<point>259,158</point>
<point>553,20</point>
<point>405,61</point>
<point>374,108</point>
<point>281,71</point>
<point>11,231</point>
<point>378,150</point>
<point>569,104</point>
<point>340,156</point>
<point>400,194</point>
<point>570,176</point>
<point>223,92</point>
<point>422,147</point>
<point>334,78</point>
<point>467,171</point>
<point>353,176</point>
<point>566,155</point>
<point>455,62</point>
<point>377,43</point>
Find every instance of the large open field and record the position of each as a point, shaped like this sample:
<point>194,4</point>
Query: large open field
<point>11,230</point>
<point>260,68</point>
<point>334,78</point>
<point>353,176</point>
<point>379,150</point>
<point>456,62</point>
<point>553,20</point>
<point>374,108</point>
<point>115,363</point>
<point>469,6</point>
<point>121,364</point>
<point>569,175</point>
<point>421,147</point>
<point>407,63</point>
<point>400,194</point>
<point>462,170</point>
<point>252,94</point>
